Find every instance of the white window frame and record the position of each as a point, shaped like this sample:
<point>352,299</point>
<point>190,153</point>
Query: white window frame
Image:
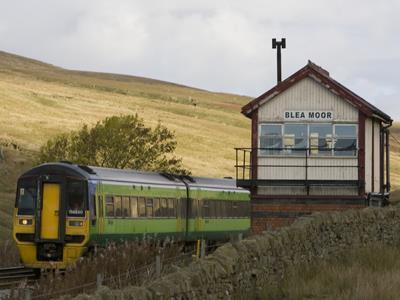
<point>334,138</point>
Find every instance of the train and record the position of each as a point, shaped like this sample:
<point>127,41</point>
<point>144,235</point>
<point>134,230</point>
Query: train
<point>63,210</point>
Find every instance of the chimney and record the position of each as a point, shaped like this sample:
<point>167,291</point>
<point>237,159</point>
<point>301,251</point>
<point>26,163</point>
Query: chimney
<point>278,46</point>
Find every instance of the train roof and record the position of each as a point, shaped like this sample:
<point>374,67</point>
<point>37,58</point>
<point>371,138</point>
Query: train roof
<point>131,176</point>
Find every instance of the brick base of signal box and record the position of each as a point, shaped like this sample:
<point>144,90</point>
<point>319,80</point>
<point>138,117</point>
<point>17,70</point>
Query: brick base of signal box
<point>282,212</point>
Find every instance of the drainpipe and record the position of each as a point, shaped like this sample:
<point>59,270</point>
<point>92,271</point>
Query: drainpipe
<point>387,149</point>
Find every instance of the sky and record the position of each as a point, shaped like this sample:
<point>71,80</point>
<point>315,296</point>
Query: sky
<point>217,45</point>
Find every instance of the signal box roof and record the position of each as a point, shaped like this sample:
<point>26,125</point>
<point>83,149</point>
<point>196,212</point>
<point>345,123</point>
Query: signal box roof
<point>322,76</point>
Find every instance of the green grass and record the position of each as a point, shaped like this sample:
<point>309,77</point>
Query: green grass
<point>368,273</point>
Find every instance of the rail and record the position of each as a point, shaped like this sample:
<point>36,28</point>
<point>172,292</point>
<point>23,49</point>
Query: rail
<point>12,276</point>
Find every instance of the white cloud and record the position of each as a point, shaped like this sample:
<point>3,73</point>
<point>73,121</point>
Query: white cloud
<point>219,45</point>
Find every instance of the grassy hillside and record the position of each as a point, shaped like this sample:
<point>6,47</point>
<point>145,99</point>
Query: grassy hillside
<point>38,101</point>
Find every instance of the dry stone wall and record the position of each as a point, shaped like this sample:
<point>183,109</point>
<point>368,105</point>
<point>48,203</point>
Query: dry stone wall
<point>253,262</point>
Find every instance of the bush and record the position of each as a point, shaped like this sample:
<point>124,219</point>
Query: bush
<point>117,142</point>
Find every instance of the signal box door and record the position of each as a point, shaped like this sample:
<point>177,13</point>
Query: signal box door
<point>50,211</point>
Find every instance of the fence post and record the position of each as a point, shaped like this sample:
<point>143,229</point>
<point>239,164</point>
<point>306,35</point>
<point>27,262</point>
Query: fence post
<point>203,248</point>
<point>240,237</point>
<point>198,243</point>
<point>27,294</point>
<point>99,280</point>
<point>158,266</point>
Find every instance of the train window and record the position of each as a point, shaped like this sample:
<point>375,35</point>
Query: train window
<point>141,207</point>
<point>126,210</point>
<point>149,208</point>
<point>171,208</point>
<point>217,213</point>
<point>205,209</point>
<point>156,207</point>
<point>93,206</point>
<point>235,210</point>
<point>163,207</point>
<point>109,206</point>
<point>246,209</point>
<point>213,209</point>
<point>26,196</point>
<point>100,209</point>
<point>242,209</point>
<point>193,208</point>
<point>181,204</point>
<point>118,206</point>
<point>134,207</point>
<point>224,208</point>
<point>76,190</point>
<point>228,209</point>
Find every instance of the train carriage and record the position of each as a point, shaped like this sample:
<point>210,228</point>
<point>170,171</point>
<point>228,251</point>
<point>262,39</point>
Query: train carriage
<point>62,210</point>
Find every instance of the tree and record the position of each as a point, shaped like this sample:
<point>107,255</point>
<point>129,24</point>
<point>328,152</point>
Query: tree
<point>117,142</point>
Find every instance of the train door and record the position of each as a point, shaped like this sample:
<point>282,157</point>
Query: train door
<point>199,222</point>
<point>50,211</point>
<point>182,218</point>
<point>100,208</point>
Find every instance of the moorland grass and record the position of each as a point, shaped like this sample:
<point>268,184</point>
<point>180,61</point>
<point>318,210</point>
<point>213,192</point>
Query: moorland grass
<point>128,263</point>
<point>371,272</point>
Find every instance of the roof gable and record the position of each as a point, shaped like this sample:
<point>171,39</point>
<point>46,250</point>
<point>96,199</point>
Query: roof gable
<point>322,77</point>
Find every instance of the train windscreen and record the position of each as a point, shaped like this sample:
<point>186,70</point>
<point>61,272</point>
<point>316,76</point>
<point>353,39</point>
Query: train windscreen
<point>76,198</point>
<point>26,196</point>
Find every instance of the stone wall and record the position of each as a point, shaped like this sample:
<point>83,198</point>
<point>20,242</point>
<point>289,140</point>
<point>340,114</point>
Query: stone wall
<point>261,259</point>
<point>274,213</point>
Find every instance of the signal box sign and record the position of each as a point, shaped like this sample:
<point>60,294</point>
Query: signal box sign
<point>302,115</point>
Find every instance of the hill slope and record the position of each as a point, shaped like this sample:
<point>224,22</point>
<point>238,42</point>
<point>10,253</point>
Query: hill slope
<point>38,101</point>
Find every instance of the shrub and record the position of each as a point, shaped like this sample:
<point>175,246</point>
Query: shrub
<point>117,142</point>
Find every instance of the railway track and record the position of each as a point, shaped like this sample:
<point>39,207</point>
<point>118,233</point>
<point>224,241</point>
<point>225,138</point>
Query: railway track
<point>12,276</point>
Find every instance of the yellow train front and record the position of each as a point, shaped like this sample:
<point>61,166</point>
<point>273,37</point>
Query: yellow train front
<point>51,218</point>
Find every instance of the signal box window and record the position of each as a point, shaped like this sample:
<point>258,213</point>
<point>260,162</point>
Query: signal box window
<point>76,191</point>
<point>109,206</point>
<point>27,196</point>
<point>321,139</point>
<point>271,139</point>
<point>345,140</point>
<point>295,139</point>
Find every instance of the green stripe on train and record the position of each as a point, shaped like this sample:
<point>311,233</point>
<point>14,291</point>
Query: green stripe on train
<point>117,229</point>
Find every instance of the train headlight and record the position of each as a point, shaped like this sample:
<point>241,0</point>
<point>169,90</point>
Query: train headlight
<point>25,221</point>
<point>75,223</point>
